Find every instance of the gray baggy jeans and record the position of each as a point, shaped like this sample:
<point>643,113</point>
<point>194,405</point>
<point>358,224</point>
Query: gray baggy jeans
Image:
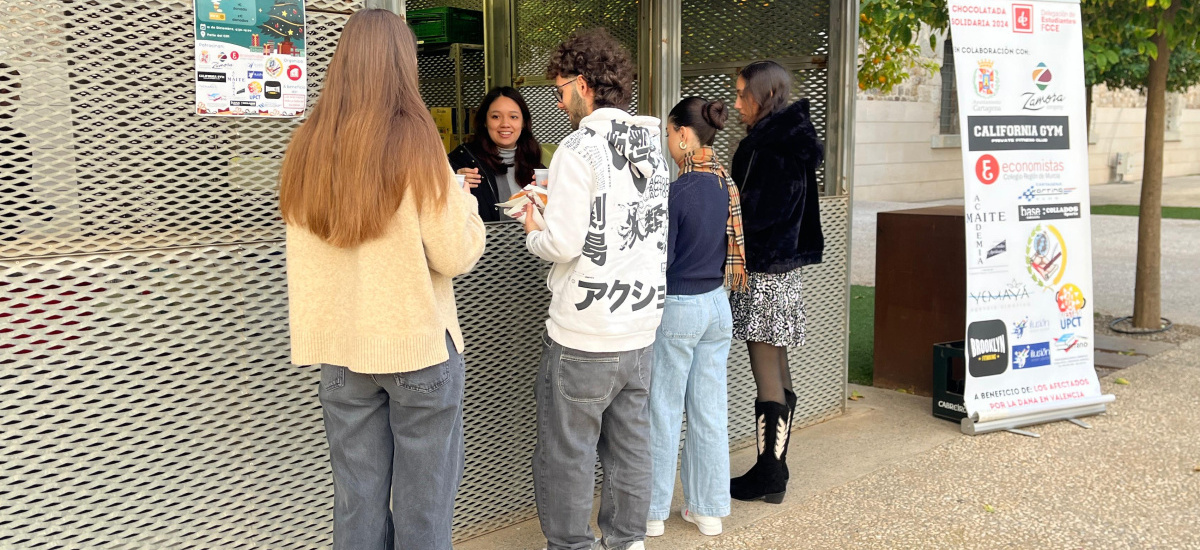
<point>397,435</point>
<point>589,403</point>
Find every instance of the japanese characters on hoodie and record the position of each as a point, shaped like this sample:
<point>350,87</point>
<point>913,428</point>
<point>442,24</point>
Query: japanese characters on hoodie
<point>606,234</point>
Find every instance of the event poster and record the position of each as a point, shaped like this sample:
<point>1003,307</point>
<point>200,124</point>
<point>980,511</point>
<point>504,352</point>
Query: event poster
<point>1022,110</point>
<point>250,58</point>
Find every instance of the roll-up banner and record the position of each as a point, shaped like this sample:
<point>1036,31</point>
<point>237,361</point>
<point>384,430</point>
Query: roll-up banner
<point>1029,333</point>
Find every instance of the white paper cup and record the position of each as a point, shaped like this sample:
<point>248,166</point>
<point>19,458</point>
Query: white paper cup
<point>462,179</point>
<point>541,176</point>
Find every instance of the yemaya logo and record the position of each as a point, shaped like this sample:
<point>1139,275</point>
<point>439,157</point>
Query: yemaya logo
<point>987,348</point>
<point>985,79</point>
<point>1023,18</point>
<point>1029,356</point>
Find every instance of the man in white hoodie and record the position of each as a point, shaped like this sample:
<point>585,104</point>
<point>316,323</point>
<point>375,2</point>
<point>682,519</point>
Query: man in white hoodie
<point>605,231</point>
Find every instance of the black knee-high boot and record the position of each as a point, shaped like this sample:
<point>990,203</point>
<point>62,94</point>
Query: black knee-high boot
<point>790,397</point>
<point>767,479</point>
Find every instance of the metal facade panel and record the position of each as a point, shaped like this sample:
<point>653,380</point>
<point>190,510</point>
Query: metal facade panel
<point>543,24</point>
<point>149,401</point>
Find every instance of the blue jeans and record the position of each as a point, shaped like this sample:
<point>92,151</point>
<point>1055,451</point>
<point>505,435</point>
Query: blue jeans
<point>690,355</point>
<point>589,404</point>
<point>398,439</point>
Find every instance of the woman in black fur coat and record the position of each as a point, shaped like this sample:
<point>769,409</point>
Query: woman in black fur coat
<point>775,169</point>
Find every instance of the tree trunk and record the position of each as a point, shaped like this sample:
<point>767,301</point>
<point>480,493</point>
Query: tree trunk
<point>1147,290</point>
<point>1089,115</point>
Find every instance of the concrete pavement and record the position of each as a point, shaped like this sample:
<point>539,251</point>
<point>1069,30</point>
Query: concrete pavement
<point>1182,191</point>
<point>1133,481</point>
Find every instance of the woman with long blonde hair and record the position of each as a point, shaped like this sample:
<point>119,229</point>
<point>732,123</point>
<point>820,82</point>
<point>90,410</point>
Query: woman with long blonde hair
<point>376,229</point>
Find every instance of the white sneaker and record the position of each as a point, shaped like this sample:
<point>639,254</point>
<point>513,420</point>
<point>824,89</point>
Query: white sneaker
<point>709,526</point>
<point>639,545</point>
<point>655,528</point>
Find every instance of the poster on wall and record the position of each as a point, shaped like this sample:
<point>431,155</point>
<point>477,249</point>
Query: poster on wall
<point>1022,110</point>
<point>250,58</point>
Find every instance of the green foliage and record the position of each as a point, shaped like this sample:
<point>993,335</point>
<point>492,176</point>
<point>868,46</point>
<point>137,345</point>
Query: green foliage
<point>888,31</point>
<point>1119,38</point>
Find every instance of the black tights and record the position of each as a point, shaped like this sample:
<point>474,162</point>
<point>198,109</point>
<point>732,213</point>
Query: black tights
<point>771,375</point>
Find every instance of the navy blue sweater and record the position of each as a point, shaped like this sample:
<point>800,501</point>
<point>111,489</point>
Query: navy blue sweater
<point>696,240</point>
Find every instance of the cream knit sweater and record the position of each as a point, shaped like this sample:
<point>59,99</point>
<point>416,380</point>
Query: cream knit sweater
<point>386,305</point>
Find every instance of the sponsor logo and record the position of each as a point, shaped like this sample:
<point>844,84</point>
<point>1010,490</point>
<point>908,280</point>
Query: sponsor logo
<point>1033,101</point>
<point>204,57</point>
<point>1046,256</point>
<point>1042,77</point>
<point>1022,18</point>
<point>203,76</point>
<point>274,67</point>
<point>254,75</point>
<point>998,250</point>
<point>1070,342</point>
<point>987,348</point>
<point>978,218</point>
<point>987,170</point>
<point>254,87</point>
<point>241,103</point>
<point>1013,294</point>
<point>1026,326</point>
<point>956,407</point>
<point>272,90</point>
<point>1032,170</point>
<point>985,79</point>
<point>1071,302</point>
<point>1039,192</point>
<point>1018,133</point>
<point>1048,212</point>
<point>234,55</point>
<point>1028,356</point>
<point>294,72</point>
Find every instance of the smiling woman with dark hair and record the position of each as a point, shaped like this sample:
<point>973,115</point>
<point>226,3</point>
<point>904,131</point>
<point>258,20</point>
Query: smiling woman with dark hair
<point>500,160</point>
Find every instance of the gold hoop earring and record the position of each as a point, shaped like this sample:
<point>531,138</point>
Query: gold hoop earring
<point>682,146</point>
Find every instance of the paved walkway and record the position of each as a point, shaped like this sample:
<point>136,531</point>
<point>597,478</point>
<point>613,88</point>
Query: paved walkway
<point>1114,254</point>
<point>1184,191</point>
<point>1130,482</point>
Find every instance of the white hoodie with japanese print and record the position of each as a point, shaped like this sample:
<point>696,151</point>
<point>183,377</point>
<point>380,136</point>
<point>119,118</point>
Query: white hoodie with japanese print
<point>606,234</point>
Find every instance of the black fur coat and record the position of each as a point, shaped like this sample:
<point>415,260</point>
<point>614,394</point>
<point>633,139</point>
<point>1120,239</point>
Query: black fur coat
<point>775,170</point>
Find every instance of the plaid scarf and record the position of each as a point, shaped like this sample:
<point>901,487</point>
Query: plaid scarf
<point>703,160</point>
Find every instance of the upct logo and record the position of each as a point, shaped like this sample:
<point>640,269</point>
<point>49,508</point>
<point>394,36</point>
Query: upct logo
<point>1023,18</point>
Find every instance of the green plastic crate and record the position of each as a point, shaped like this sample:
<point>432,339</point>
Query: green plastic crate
<point>447,25</point>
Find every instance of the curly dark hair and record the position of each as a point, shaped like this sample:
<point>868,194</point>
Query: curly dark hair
<point>601,61</point>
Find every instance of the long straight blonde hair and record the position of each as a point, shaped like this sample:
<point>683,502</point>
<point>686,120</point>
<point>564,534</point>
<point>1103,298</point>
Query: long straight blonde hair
<point>369,143</point>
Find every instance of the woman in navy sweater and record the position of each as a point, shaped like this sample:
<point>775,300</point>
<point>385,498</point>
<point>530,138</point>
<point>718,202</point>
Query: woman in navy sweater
<point>704,254</point>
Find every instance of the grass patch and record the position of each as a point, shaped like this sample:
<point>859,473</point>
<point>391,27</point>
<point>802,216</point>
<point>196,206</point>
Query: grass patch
<point>862,334</point>
<point>1168,212</point>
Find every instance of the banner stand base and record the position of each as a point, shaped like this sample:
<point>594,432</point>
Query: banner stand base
<point>972,426</point>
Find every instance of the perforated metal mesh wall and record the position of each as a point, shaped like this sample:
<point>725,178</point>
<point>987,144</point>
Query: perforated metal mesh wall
<point>147,399</point>
<point>543,24</point>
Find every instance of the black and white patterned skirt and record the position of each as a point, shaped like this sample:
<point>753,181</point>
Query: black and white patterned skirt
<point>772,310</point>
